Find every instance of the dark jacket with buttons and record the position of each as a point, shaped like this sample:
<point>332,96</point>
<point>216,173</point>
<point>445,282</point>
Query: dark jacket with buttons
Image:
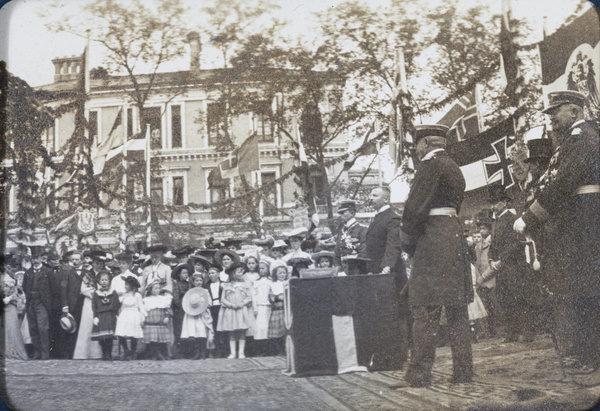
<point>440,273</point>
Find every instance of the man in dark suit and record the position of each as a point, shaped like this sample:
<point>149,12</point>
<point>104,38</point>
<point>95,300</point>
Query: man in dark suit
<point>71,300</point>
<point>36,285</point>
<point>383,241</point>
<point>515,283</point>
<point>56,309</point>
<point>352,236</point>
<point>432,235</point>
<point>566,206</point>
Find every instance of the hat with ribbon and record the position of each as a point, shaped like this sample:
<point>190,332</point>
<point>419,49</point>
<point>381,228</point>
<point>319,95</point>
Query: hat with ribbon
<point>225,251</point>
<point>68,324</point>
<point>267,242</point>
<point>195,301</point>
<point>323,254</point>
<point>279,244</point>
<point>300,232</point>
<point>200,260</point>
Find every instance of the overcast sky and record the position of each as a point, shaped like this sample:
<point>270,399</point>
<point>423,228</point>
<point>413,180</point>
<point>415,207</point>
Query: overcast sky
<point>29,47</point>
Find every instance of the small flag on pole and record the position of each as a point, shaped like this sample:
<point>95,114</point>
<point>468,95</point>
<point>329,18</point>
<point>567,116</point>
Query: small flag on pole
<point>113,139</point>
<point>242,160</point>
<point>464,117</point>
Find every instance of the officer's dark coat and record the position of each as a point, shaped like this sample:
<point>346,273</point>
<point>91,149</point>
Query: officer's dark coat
<point>572,221</point>
<point>441,273</point>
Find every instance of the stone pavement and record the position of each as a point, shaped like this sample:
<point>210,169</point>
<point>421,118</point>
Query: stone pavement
<point>508,376</point>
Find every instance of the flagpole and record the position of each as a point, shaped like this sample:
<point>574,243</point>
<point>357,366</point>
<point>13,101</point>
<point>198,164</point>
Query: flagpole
<point>86,64</point>
<point>148,189</point>
<point>399,100</point>
<point>122,214</point>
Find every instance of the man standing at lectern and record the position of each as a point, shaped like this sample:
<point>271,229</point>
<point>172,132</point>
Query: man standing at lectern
<point>432,235</point>
<point>383,243</point>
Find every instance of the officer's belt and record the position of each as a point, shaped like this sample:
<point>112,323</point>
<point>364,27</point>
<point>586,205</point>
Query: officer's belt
<point>449,211</point>
<point>589,189</point>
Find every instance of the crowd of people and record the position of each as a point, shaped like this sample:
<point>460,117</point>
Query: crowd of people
<point>187,302</point>
<point>530,265</point>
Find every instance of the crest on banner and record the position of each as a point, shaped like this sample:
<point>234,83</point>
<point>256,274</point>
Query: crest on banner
<point>86,222</point>
<point>582,76</point>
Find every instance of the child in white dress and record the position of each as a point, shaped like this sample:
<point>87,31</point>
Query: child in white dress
<point>131,317</point>
<point>262,307</point>
<point>236,315</point>
<point>197,321</point>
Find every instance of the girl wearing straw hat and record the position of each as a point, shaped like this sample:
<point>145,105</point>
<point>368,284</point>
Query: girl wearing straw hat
<point>236,315</point>
<point>197,322</point>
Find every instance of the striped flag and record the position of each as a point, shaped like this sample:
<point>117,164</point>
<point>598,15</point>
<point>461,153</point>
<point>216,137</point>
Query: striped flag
<point>464,117</point>
<point>114,138</point>
<point>240,161</point>
<point>344,324</point>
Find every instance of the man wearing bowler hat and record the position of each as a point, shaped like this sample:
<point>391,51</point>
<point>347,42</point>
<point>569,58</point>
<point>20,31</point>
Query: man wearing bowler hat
<point>352,236</point>
<point>567,205</point>
<point>36,285</point>
<point>432,235</point>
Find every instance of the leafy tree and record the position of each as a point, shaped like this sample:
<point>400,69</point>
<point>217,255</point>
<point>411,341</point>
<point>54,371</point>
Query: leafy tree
<point>138,37</point>
<point>24,122</point>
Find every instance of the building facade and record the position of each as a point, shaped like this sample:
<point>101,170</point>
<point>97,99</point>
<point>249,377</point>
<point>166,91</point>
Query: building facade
<point>187,119</point>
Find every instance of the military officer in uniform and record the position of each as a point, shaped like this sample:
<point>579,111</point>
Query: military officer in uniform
<point>432,235</point>
<point>352,236</point>
<point>568,206</point>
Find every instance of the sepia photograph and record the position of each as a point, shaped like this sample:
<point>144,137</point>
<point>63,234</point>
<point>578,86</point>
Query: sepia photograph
<point>300,205</point>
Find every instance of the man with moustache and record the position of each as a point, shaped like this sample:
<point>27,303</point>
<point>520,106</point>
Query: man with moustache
<point>382,238</point>
<point>567,206</point>
<point>36,285</point>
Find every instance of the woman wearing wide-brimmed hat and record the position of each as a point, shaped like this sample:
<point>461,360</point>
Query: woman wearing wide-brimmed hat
<point>226,258</point>
<point>297,258</point>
